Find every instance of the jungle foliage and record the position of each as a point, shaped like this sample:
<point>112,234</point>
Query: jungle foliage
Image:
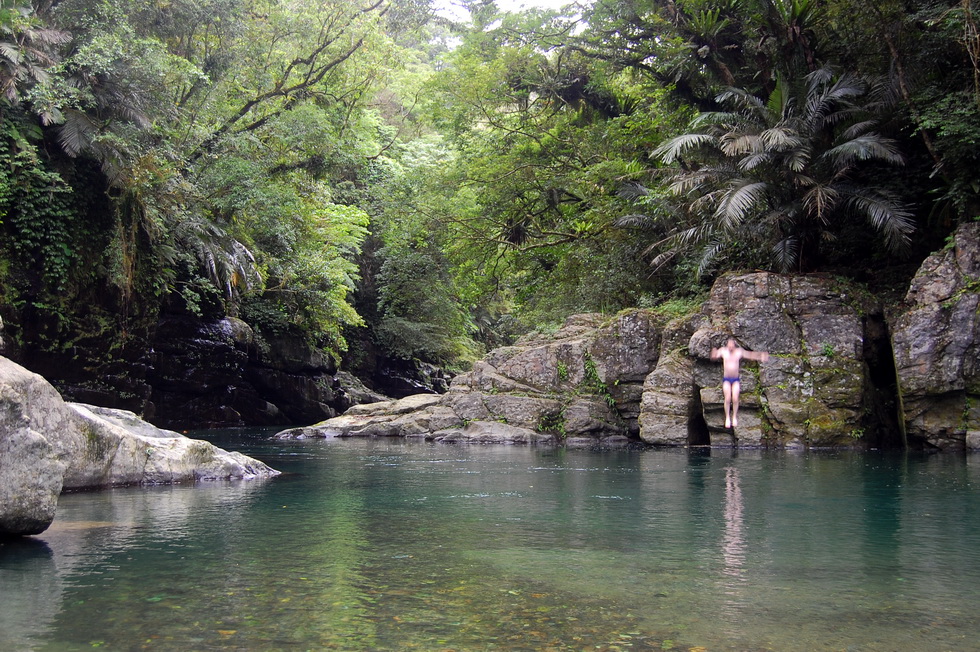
<point>430,184</point>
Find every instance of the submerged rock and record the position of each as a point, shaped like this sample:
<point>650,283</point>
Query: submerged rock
<point>48,446</point>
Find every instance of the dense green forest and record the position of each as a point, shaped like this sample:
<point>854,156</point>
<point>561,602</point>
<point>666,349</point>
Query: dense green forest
<point>430,182</point>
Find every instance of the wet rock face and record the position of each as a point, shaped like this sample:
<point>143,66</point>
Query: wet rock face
<point>220,374</point>
<point>811,392</point>
<point>937,346</point>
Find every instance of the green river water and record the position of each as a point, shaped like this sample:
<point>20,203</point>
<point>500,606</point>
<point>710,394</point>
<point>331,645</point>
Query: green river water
<point>395,545</point>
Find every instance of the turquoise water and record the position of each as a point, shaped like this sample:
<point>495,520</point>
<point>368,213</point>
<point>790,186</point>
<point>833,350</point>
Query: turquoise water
<point>394,545</point>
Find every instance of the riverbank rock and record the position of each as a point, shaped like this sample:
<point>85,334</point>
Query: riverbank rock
<point>31,471</point>
<point>937,346</point>
<point>832,378</point>
<point>581,384</point>
<point>813,390</point>
<point>48,446</point>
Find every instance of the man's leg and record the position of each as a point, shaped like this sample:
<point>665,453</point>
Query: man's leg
<point>736,390</point>
<point>726,388</point>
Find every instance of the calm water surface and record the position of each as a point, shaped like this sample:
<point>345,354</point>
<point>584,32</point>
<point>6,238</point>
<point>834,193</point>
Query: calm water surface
<point>393,545</point>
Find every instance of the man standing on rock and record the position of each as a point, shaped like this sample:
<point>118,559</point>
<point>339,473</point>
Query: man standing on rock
<point>731,355</point>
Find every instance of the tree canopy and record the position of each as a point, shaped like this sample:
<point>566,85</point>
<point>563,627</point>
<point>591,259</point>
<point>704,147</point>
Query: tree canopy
<point>384,173</point>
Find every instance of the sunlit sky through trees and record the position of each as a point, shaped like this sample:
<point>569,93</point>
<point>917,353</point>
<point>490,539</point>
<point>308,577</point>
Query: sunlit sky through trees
<point>453,8</point>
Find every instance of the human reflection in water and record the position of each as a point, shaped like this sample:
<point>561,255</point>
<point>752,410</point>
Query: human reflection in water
<point>732,584</point>
<point>733,544</point>
<point>732,581</point>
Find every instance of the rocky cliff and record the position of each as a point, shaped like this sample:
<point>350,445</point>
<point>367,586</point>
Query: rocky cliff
<point>841,373</point>
<point>193,372</point>
<point>937,346</point>
<point>48,445</point>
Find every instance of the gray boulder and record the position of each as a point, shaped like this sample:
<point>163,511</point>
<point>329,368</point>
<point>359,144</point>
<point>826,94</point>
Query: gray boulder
<point>119,448</point>
<point>582,384</point>
<point>48,445</point>
<point>811,392</point>
<point>394,418</point>
<point>937,346</point>
<point>32,470</point>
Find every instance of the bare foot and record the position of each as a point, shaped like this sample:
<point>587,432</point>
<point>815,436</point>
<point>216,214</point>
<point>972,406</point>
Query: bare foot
<point>735,422</point>
<point>728,423</point>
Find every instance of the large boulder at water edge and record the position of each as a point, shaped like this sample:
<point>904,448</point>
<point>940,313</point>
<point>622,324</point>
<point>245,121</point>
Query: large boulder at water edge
<point>48,445</point>
<point>813,391</point>
<point>31,470</point>
<point>937,346</point>
<point>580,385</point>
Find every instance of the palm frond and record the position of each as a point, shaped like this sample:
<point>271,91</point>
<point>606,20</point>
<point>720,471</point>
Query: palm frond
<point>885,213</point>
<point>786,253</point>
<point>708,255</point>
<point>77,131</point>
<point>752,161</point>
<point>870,147</point>
<point>741,99</point>
<point>10,52</point>
<point>884,92</point>
<point>798,159</point>
<point>781,137</point>
<point>858,129</point>
<point>820,201</point>
<point>633,221</point>
<point>672,150</point>
<point>50,36</point>
<point>818,78</point>
<point>738,202</point>
<point>685,183</point>
<point>631,191</point>
<point>228,263</point>
<point>738,144</point>
<point>671,246</point>
<point>716,118</point>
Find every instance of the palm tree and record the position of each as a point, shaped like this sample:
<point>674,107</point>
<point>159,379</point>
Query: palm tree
<point>783,172</point>
<point>27,49</point>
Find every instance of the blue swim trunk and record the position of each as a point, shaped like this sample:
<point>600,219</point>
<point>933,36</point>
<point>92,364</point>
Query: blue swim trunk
<point>734,380</point>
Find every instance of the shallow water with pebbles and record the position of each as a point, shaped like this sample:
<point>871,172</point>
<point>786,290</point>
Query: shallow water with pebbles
<point>394,545</point>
